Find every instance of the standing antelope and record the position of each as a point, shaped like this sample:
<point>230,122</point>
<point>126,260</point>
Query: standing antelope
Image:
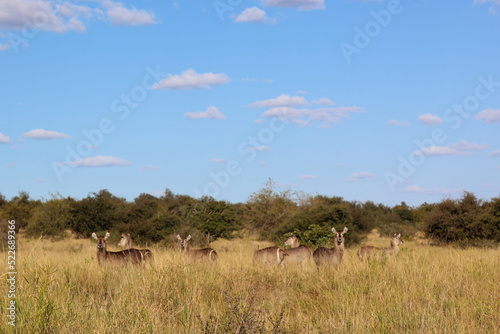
<point>129,255</point>
<point>332,256</point>
<point>270,255</point>
<point>126,243</point>
<point>297,253</point>
<point>196,254</point>
<point>368,252</point>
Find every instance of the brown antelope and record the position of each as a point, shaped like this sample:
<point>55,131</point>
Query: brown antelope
<point>327,256</point>
<point>196,254</point>
<point>270,255</point>
<point>129,255</point>
<point>368,252</point>
<point>126,243</point>
<point>297,253</point>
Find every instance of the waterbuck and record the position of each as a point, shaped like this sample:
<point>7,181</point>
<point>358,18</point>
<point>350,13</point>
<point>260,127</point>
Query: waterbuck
<point>126,243</point>
<point>130,255</point>
<point>327,256</point>
<point>270,255</point>
<point>196,254</point>
<point>297,253</point>
<point>368,252</point>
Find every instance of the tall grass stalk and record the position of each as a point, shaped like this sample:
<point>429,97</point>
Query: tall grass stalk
<point>62,289</point>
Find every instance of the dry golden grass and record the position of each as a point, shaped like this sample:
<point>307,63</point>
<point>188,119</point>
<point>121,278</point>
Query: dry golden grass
<point>61,289</point>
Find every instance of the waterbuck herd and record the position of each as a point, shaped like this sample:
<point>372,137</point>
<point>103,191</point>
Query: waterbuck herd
<point>296,254</point>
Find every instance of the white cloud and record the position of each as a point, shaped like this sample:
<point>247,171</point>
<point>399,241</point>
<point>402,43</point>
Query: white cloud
<point>40,15</point>
<point>460,148</point>
<point>284,112</point>
<point>429,119</point>
<point>308,177</point>
<point>489,115</point>
<point>252,14</point>
<point>64,16</point>
<point>300,4</point>
<point>150,168</point>
<point>439,150</point>
<point>99,161</point>
<point>258,121</point>
<point>284,106</point>
<point>44,134</point>
<point>189,79</point>
<point>465,146</point>
<point>211,112</point>
<point>393,122</point>
<point>281,101</point>
<point>121,16</point>
<point>4,139</point>
<point>495,153</point>
<point>70,10</point>
<point>4,47</point>
<point>306,116</point>
<point>261,148</point>
<point>435,191</point>
<point>218,161</point>
<point>362,176</point>
<point>324,101</point>
<point>494,7</point>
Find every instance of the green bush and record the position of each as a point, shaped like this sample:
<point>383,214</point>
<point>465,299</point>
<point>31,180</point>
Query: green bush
<point>97,212</point>
<point>51,218</point>
<point>465,221</point>
<point>313,224</point>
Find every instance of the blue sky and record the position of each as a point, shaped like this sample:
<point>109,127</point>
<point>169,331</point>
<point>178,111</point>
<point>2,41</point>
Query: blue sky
<point>386,101</point>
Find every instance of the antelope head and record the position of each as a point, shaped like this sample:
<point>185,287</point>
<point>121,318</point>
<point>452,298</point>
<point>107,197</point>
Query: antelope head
<point>339,236</point>
<point>292,240</point>
<point>184,242</point>
<point>396,239</point>
<point>124,241</point>
<point>101,241</point>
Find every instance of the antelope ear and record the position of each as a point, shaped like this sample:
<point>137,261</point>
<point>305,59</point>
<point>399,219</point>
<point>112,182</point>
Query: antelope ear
<point>188,238</point>
<point>179,237</point>
<point>333,230</point>
<point>128,235</point>
<point>345,229</point>
<point>94,236</point>
<point>399,235</point>
<point>107,235</point>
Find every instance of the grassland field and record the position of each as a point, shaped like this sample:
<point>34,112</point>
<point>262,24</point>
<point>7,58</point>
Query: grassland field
<point>60,288</point>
